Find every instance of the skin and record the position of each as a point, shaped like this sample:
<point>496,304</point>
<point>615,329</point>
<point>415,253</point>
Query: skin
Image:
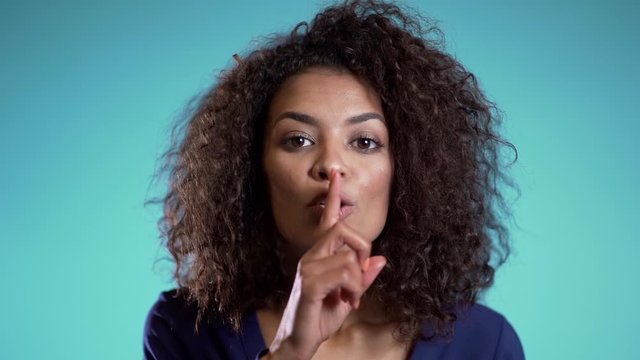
<point>327,143</point>
<point>299,157</point>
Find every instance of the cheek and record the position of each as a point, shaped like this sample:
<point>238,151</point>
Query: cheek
<point>379,180</point>
<point>284,202</point>
<point>380,190</point>
<point>281,186</point>
<point>376,185</point>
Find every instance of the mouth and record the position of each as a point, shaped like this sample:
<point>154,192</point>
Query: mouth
<point>319,204</point>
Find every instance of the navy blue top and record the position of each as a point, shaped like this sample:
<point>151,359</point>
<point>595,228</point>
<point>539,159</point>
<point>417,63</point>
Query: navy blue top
<point>480,333</point>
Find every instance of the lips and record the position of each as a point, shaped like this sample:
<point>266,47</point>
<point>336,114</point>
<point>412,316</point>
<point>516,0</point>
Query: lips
<point>318,205</point>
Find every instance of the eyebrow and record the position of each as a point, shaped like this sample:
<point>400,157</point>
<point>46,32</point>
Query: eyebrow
<point>308,119</point>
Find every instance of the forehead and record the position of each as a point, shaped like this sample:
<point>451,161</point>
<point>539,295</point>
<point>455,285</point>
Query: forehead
<point>325,92</point>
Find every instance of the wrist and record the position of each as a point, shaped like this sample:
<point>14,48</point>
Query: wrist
<point>285,350</point>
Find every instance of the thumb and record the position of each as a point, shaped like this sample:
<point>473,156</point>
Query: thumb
<point>376,264</point>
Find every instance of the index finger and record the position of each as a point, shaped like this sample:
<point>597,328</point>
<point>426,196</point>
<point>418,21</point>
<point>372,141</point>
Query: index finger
<point>331,213</point>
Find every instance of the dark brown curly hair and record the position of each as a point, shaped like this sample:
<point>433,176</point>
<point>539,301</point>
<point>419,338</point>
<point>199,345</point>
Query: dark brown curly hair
<point>444,236</point>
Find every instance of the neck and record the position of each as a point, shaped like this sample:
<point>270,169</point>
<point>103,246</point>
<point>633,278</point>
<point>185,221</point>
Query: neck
<point>368,324</point>
<point>370,312</point>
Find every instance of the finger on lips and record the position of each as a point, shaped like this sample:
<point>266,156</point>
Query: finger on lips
<point>331,212</point>
<point>338,229</point>
<point>339,267</point>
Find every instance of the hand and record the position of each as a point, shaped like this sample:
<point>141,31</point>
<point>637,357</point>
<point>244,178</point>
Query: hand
<point>330,280</point>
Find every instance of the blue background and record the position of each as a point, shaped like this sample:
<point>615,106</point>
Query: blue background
<point>88,90</point>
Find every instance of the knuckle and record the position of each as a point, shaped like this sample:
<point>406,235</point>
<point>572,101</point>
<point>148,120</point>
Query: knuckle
<point>350,257</point>
<point>345,274</point>
<point>306,271</point>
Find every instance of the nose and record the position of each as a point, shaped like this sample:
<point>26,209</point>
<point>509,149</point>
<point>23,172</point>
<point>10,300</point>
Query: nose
<point>328,159</point>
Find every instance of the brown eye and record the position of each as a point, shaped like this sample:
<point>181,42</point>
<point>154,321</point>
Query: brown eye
<point>365,144</point>
<point>297,141</point>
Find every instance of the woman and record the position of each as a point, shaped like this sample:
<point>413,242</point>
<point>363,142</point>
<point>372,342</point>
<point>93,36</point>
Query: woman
<point>335,196</point>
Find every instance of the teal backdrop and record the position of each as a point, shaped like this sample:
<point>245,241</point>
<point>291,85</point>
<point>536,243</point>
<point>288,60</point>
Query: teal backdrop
<point>88,90</point>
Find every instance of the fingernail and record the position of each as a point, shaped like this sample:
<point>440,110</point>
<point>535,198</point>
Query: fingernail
<point>366,264</point>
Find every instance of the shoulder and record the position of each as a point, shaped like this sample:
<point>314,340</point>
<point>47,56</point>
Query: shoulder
<point>485,331</point>
<point>170,332</point>
<point>173,309</point>
<point>173,312</point>
<point>168,302</point>
<point>482,322</point>
<point>168,327</point>
<point>480,333</point>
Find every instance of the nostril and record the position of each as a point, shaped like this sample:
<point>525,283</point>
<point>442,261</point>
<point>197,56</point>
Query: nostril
<point>323,173</point>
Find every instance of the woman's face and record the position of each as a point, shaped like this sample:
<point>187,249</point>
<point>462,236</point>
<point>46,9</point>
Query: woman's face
<point>323,120</point>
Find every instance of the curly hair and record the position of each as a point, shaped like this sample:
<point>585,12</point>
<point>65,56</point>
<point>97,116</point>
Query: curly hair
<point>445,233</point>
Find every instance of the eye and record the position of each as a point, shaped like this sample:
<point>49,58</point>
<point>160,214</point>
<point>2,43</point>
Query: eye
<point>297,141</point>
<point>366,144</point>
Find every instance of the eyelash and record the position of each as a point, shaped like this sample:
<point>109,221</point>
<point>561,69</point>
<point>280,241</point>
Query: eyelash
<point>289,145</point>
<point>377,143</point>
<point>288,141</point>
